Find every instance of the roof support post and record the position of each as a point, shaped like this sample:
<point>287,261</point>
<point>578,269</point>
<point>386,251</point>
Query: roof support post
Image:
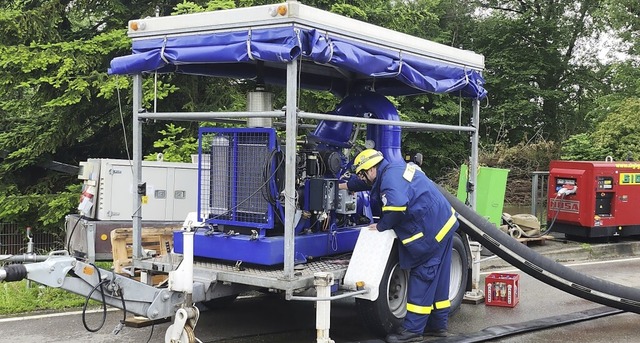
<point>290,168</point>
<point>137,168</point>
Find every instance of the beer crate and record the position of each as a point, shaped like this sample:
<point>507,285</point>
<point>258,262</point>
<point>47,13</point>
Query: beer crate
<point>502,289</point>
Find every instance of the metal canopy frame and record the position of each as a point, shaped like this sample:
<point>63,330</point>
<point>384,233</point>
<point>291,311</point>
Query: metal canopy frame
<point>303,15</point>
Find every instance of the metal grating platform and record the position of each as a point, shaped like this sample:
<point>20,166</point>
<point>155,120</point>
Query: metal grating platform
<point>270,277</point>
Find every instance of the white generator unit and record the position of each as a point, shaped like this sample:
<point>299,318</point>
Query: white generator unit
<point>170,190</point>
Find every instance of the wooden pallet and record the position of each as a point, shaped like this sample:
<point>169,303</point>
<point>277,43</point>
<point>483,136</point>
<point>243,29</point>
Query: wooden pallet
<point>159,240</point>
<point>534,240</point>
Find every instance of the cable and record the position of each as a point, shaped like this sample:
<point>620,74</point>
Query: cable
<point>100,285</point>
<point>124,307</point>
<point>124,128</point>
<point>151,333</point>
<point>271,179</point>
<point>548,230</point>
<point>104,303</point>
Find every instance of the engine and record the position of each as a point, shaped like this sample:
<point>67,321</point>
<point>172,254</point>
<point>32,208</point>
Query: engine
<point>241,183</point>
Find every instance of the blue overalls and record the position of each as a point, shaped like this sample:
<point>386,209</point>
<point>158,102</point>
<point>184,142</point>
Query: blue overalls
<point>424,222</point>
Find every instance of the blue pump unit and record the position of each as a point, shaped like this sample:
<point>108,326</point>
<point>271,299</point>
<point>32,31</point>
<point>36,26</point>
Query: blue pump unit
<point>241,175</point>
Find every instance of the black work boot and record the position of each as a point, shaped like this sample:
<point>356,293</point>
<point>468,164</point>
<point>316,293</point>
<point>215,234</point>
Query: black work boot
<point>404,336</point>
<point>437,333</point>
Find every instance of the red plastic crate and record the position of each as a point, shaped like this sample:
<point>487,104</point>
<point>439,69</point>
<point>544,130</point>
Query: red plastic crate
<point>502,289</point>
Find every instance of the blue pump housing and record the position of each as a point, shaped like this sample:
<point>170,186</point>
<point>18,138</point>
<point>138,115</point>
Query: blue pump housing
<point>242,205</point>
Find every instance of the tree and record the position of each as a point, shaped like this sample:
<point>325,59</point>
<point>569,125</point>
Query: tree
<point>614,120</point>
<point>539,81</point>
<point>57,101</point>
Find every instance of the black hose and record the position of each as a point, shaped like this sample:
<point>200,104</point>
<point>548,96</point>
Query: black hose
<point>540,267</point>
<point>100,285</point>
<point>124,307</point>
<point>104,306</point>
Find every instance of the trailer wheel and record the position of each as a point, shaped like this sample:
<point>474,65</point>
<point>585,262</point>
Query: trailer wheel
<point>385,313</point>
<point>460,257</point>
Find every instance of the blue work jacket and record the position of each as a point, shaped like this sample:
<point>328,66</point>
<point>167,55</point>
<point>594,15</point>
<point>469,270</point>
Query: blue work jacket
<point>414,208</point>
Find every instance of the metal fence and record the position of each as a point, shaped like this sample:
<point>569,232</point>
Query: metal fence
<point>14,240</point>
<point>539,190</point>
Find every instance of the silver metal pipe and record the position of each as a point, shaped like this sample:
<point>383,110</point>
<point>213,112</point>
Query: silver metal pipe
<point>24,258</point>
<point>208,116</point>
<point>137,168</point>
<point>425,126</point>
<point>333,297</point>
<point>290,169</point>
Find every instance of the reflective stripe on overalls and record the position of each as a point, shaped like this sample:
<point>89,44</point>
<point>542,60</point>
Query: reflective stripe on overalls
<point>441,233</point>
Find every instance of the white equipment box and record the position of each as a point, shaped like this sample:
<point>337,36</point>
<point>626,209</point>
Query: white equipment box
<point>109,188</point>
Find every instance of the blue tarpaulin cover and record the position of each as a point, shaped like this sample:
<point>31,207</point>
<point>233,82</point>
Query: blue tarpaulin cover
<point>230,54</point>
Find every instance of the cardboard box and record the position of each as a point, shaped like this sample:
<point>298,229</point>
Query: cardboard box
<point>502,289</point>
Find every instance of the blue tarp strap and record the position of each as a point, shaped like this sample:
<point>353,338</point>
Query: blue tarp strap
<point>466,76</point>
<point>299,38</point>
<point>249,46</point>
<point>331,48</point>
<point>164,45</point>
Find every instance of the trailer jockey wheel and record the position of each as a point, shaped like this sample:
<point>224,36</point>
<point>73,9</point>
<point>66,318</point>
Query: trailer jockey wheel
<point>183,328</point>
<point>188,335</point>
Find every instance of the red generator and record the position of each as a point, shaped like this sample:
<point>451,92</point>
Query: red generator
<point>594,199</point>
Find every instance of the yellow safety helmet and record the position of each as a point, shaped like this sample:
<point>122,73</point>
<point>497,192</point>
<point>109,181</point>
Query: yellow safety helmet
<point>367,159</point>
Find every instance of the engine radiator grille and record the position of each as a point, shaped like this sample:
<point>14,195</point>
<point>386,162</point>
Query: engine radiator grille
<point>233,176</point>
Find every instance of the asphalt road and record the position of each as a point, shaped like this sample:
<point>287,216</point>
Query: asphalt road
<point>268,319</point>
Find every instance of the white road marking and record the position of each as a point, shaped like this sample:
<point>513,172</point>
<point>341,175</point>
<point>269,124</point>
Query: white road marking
<point>49,315</point>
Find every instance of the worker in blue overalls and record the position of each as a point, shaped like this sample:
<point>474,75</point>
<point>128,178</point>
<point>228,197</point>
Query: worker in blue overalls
<point>424,223</point>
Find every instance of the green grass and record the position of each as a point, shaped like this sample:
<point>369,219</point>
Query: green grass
<point>16,297</point>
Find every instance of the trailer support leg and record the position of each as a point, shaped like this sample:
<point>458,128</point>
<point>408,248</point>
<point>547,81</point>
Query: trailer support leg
<point>476,295</point>
<point>323,282</point>
<point>182,329</point>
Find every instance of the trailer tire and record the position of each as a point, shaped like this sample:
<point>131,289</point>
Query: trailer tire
<point>384,314</point>
<point>460,257</point>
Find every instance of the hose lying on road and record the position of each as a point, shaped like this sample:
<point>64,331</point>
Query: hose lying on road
<point>494,332</point>
<point>540,267</point>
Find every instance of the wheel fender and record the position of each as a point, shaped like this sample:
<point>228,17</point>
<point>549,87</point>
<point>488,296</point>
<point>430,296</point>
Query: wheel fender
<point>369,260</point>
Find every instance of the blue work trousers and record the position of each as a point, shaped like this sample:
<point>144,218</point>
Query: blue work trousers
<point>428,293</point>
